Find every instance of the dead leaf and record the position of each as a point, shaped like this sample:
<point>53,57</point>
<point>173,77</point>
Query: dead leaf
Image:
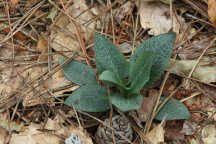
<point>32,135</point>
<point>3,135</point>
<point>212,11</point>
<point>52,125</point>
<point>209,134</point>
<point>14,2</point>
<point>194,49</point>
<point>147,105</point>
<point>189,128</point>
<point>19,35</point>
<point>194,103</point>
<point>156,17</point>
<point>205,71</point>
<point>121,12</point>
<point>173,134</point>
<point>63,37</point>
<point>59,80</point>
<point>42,47</point>
<point>34,95</point>
<point>156,135</point>
<point>212,113</point>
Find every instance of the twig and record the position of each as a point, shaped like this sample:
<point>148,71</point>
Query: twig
<point>150,118</point>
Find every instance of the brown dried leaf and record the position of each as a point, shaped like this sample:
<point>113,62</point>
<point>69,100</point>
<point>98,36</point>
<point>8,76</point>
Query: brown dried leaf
<point>32,135</point>
<point>156,135</point>
<point>3,135</point>
<point>121,12</point>
<point>34,96</point>
<point>147,105</point>
<point>42,47</point>
<point>19,35</point>
<point>205,71</point>
<point>212,11</point>
<point>63,38</point>
<point>189,128</point>
<point>173,134</point>
<point>14,2</point>
<point>156,17</point>
<point>209,134</point>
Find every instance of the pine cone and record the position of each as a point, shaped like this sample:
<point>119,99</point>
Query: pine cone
<point>120,125</point>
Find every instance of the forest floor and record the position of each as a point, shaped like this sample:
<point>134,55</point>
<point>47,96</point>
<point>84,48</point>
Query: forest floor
<point>35,34</point>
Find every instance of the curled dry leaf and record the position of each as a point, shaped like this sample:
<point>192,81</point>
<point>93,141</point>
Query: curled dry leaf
<point>156,135</point>
<point>204,71</point>
<point>156,17</point>
<point>212,11</point>
<point>147,105</point>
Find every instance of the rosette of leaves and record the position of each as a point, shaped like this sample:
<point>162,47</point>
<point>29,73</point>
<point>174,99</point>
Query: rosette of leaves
<point>146,65</point>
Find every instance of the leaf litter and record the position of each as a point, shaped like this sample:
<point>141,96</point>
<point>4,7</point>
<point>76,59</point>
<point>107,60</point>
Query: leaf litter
<point>26,61</point>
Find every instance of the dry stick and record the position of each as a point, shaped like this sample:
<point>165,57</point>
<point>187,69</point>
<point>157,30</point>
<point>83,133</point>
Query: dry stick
<point>12,41</point>
<point>103,12</point>
<point>111,113</point>
<point>204,51</point>
<point>102,3</point>
<point>124,24</point>
<point>77,32</point>
<point>135,33</point>
<point>150,119</point>
<point>203,92</point>
<point>167,99</point>
<point>31,11</point>
<point>77,117</point>
<point>68,60</point>
<point>197,62</point>
<point>196,7</point>
<point>110,103</point>
<point>112,21</point>
<point>44,76</point>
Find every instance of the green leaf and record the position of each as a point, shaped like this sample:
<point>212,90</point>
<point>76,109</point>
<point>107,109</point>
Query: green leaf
<point>90,98</point>
<point>109,57</point>
<point>173,109</point>
<point>162,46</point>
<point>126,104</point>
<point>139,71</point>
<point>52,14</point>
<point>79,73</point>
<point>110,77</point>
